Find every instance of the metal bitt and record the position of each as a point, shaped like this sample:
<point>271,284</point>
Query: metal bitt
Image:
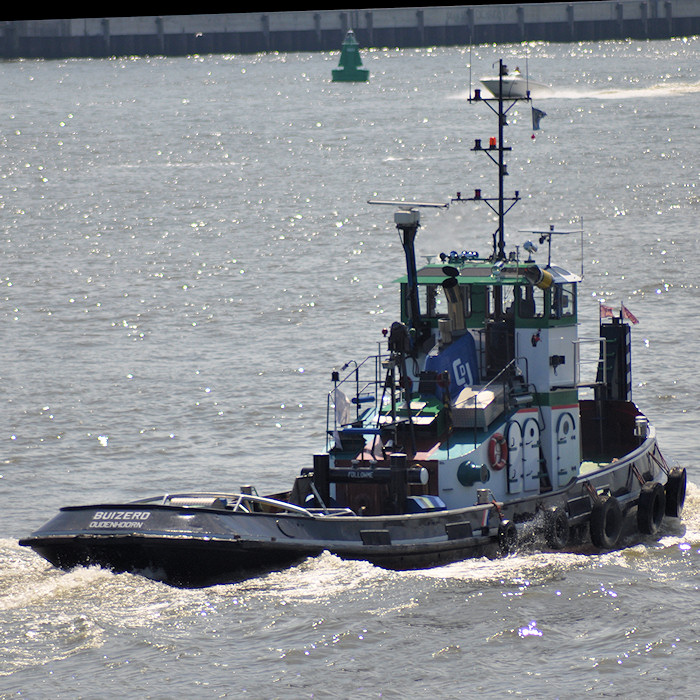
<point>322,477</point>
<point>399,488</point>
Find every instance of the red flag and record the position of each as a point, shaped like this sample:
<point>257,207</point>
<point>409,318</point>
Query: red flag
<point>606,311</point>
<point>626,313</point>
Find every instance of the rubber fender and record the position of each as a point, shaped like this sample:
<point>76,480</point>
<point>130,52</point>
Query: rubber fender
<point>556,528</point>
<point>651,507</point>
<point>675,492</point>
<point>606,522</point>
<point>507,536</point>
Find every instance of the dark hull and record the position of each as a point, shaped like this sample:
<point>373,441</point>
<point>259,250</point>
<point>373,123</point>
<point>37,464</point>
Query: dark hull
<point>190,562</point>
<point>184,562</point>
<point>200,547</point>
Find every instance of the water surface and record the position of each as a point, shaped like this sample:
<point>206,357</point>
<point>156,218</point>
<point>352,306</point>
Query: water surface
<point>187,253</point>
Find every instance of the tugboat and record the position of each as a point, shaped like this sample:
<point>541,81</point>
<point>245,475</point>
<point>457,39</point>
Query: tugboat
<point>464,436</point>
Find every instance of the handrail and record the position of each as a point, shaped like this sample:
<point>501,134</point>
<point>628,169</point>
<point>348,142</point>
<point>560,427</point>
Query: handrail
<point>378,382</point>
<point>244,501</point>
<point>600,363</point>
<point>238,502</point>
<point>370,386</point>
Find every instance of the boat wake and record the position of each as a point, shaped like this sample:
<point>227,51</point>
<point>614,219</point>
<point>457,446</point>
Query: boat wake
<point>318,577</point>
<point>658,90</point>
<point>540,567</point>
<point>44,612</point>
<point>589,92</point>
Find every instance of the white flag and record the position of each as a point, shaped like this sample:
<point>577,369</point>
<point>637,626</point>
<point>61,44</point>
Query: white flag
<point>342,408</point>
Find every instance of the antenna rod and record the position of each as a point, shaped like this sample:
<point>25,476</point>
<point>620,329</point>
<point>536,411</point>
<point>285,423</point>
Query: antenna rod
<point>500,253</point>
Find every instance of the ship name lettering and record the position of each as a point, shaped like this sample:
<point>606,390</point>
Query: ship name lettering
<point>121,515</point>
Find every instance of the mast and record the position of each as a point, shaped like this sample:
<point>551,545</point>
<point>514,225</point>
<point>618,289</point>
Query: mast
<point>496,151</point>
<point>500,254</point>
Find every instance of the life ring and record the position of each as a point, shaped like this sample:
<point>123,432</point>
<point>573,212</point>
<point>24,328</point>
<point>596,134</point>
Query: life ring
<point>606,522</point>
<point>675,492</point>
<point>498,451</point>
<point>651,507</point>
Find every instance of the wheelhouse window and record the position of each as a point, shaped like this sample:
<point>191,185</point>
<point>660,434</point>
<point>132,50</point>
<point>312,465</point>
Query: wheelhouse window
<point>563,301</point>
<point>435,304</point>
<point>531,301</point>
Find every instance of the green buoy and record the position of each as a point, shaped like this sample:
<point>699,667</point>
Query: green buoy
<point>349,68</point>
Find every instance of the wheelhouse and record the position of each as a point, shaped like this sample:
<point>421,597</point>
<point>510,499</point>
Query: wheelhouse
<point>503,306</point>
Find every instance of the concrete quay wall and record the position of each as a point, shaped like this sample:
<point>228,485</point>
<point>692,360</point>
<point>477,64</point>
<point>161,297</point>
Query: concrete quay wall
<point>453,25</point>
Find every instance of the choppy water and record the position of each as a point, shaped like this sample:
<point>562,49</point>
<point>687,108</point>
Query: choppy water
<point>187,251</point>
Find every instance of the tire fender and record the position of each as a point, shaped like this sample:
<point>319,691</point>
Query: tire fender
<point>507,536</point>
<point>651,507</point>
<point>675,492</point>
<point>556,528</point>
<point>606,522</point>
